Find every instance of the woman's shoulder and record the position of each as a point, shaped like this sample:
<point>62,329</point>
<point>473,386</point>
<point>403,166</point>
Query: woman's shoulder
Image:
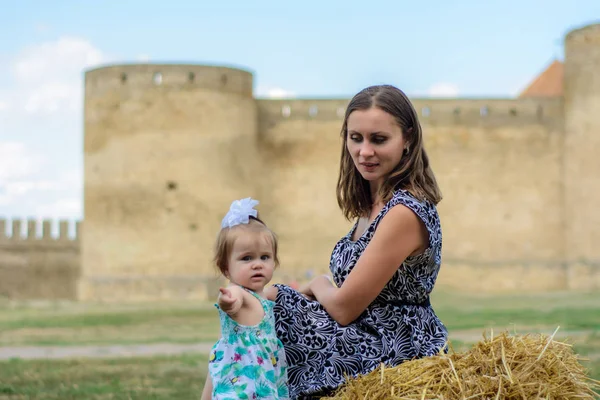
<point>423,208</point>
<point>408,198</point>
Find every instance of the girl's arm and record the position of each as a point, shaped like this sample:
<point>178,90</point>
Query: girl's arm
<point>231,300</point>
<point>399,234</point>
<point>207,392</point>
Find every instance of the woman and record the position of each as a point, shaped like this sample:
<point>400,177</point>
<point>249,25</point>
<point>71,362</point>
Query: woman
<point>384,269</point>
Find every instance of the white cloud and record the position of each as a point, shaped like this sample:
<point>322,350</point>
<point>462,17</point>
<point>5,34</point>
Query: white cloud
<point>44,198</point>
<point>21,183</point>
<point>21,187</point>
<point>58,60</point>
<point>52,97</point>
<point>443,90</point>
<point>63,208</point>
<point>274,92</point>
<point>49,76</point>
<point>70,186</point>
<point>40,138</point>
<point>17,162</point>
<point>143,58</point>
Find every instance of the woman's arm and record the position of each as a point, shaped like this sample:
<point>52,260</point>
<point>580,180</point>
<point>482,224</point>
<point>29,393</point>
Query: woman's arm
<point>271,293</point>
<point>399,234</point>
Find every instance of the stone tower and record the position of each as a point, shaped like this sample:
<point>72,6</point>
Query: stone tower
<point>167,148</point>
<point>582,160</point>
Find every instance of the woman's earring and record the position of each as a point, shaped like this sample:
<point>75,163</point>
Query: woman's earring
<point>406,150</point>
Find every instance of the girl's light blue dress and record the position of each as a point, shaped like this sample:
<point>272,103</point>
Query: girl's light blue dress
<point>248,362</point>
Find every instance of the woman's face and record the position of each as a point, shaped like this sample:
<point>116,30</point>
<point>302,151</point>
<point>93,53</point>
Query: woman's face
<point>375,143</point>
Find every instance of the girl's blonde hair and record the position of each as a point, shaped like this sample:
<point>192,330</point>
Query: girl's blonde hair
<point>226,240</point>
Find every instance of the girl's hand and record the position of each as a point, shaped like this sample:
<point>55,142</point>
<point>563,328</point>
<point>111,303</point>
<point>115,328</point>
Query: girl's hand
<point>229,301</point>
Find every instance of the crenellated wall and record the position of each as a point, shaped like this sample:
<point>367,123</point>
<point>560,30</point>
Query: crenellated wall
<point>166,146</point>
<point>169,146</point>
<point>35,263</point>
<point>498,162</point>
<point>468,112</point>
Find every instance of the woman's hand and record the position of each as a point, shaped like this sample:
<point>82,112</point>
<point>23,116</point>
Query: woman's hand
<point>271,293</point>
<point>307,289</point>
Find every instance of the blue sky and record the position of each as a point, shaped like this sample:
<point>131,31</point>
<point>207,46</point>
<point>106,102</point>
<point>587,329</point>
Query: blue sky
<point>310,48</point>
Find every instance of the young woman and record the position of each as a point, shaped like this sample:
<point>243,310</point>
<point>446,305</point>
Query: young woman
<point>377,309</point>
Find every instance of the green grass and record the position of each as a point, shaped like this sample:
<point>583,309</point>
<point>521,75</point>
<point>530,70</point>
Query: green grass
<point>589,347</point>
<point>74,324</point>
<point>568,319</point>
<point>569,310</point>
<point>172,377</point>
<point>175,378</point>
<point>182,377</point>
<point>113,319</point>
<point>47,323</point>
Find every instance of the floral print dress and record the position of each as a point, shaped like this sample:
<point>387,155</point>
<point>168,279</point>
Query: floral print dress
<point>248,362</point>
<point>399,325</point>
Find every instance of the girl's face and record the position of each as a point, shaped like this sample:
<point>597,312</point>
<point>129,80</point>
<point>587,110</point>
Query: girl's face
<point>251,263</point>
<point>375,143</point>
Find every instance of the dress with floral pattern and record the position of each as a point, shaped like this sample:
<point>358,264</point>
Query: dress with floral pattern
<point>398,325</point>
<point>248,362</point>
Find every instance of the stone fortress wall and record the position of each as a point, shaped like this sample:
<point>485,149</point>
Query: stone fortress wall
<point>168,147</point>
<point>37,263</point>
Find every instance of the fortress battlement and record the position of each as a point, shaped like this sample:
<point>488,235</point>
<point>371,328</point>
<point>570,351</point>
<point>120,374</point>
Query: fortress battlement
<point>31,230</point>
<point>34,263</point>
<point>431,110</point>
<point>488,111</point>
<point>518,175</point>
<point>131,78</point>
<point>587,35</point>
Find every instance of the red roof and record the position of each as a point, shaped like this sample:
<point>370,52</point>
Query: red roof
<point>548,84</point>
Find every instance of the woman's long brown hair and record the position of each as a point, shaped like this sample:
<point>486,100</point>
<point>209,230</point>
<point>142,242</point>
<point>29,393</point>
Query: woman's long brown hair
<point>412,173</point>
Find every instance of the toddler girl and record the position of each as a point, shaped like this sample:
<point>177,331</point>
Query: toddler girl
<point>248,361</point>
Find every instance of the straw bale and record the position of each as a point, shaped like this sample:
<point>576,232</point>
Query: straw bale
<point>502,367</point>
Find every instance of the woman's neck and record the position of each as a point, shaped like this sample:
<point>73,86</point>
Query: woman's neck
<point>374,187</point>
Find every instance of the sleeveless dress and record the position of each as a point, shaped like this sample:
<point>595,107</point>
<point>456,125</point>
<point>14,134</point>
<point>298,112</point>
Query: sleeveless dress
<point>248,361</point>
<point>399,325</point>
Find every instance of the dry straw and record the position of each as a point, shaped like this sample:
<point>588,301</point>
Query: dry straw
<point>501,367</point>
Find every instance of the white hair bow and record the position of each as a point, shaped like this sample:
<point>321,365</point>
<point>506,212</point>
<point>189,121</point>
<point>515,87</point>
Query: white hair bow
<point>240,213</point>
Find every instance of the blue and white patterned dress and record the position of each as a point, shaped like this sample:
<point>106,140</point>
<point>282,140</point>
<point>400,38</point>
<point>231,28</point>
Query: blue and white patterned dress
<point>399,325</point>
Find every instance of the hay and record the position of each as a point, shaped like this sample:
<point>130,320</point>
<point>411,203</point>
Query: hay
<point>501,367</point>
